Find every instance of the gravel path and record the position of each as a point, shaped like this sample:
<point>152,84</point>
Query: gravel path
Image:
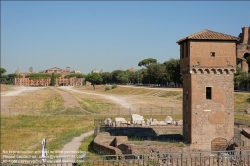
<point>118,100</point>
<point>70,149</point>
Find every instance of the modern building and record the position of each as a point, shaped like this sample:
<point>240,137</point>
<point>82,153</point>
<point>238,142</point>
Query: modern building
<point>208,64</point>
<point>243,49</point>
<point>61,80</point>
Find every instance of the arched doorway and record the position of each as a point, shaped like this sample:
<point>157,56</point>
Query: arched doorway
<point>218,144</point>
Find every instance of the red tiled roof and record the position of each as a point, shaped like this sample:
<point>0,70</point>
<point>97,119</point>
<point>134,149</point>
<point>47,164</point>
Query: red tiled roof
<point>209,35</point>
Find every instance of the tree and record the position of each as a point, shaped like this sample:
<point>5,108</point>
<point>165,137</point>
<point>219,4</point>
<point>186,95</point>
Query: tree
<point>114,75</point>
<point>123,77</point>
<point>2,71</point>
<point>147,62</point>
<point>156,72</point>
<point>106,77</point>
<point>94,78</point>
<point>53,80</point>
<point>11,77</point>
<point>173,70</point>
<point>4,79</point>
<point>77,75</point>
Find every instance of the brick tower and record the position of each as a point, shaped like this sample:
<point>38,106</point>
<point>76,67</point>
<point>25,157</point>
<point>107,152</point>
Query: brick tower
<point>208,61</point>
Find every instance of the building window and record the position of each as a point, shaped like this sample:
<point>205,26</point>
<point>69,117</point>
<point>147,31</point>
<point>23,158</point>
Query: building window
<point>182,50</point>
<point>212,54</point>
<point>209,93</point>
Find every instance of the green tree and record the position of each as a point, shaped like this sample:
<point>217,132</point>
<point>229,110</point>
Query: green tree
<point>11,77</point>
<point>4,79</point>
<point>123,77</point>
<point>147,62</point>
<point>2,71</point>
<point>94,78</point>
<point>156,73</point>
<point>173,72</point>
<point>106,77</point>
<point>53,80</point>
<point>77,75</point>
<point>114,75</point>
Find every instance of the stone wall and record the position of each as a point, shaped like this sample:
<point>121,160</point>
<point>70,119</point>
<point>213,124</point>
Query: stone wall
<point>106,144</point>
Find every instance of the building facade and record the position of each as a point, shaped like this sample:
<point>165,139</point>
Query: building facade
<point>60,81</point>
<point>208,64</point>
<point>243,49</point>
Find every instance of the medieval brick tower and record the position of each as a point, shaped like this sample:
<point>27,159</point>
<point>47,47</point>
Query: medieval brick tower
<point>208,61</point>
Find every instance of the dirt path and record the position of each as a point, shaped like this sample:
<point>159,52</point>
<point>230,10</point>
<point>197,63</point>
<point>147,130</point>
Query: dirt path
<point>71,148</point>
<point>115,99</point>
<point>69,101</point>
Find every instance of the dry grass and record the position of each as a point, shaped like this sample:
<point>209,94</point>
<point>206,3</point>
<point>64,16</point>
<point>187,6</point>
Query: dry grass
<point>36,102</point>
<point>120,90</point>
<point>94,104</point>
<point>241,101</point>
<point>20,132</point>
<point>6,87</point>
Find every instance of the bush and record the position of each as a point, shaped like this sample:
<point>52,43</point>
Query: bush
<point>114,86</point>
<point>107,88</point>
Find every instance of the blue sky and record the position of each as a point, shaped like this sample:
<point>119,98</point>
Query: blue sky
<point>107,35</point>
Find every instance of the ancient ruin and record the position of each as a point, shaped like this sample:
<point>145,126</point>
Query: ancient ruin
<point>243,48</point>
<point>208,62</point>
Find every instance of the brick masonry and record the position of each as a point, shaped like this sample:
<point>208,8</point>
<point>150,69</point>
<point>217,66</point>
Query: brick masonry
<point>208,62</point>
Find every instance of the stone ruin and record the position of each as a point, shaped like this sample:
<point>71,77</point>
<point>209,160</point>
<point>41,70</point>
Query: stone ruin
<point>137,119</point>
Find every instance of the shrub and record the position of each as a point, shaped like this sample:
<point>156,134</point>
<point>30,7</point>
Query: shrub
<point>114,86</point>
<point>107,88</point>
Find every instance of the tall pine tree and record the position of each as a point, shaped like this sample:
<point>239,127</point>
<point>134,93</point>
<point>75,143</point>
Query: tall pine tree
<point>53,80</point>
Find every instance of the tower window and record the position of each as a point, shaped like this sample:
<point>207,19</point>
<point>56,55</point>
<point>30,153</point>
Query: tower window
<point>209,93</point>
<point>212,54</point>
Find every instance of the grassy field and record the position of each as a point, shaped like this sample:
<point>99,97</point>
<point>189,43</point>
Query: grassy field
<point>44,101</point>
<point>24,132</point>
<point>6,87</point>
<point>241,101</point>
<point>120,90</point>
<point>94,104</point>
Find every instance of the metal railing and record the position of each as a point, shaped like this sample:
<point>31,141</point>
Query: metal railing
<point>206,158</point>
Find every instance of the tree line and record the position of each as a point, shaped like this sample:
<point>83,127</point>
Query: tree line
<point>152,73</point>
